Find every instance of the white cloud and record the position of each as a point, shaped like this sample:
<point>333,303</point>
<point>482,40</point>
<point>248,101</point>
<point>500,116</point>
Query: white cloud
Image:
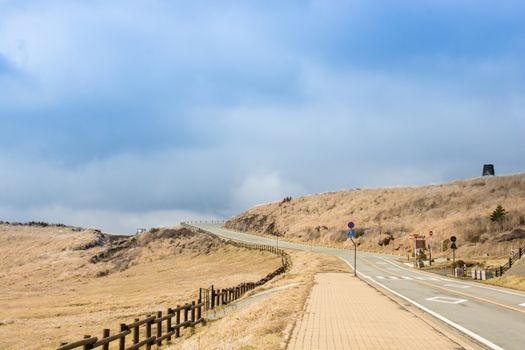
<point>263,188</point>
<point>111,221</point>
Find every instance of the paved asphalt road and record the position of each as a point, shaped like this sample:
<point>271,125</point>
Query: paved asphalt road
<point>493,316</point>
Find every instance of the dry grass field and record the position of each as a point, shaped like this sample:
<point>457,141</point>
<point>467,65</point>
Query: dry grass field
<point>268,323</point>
<point>50,291</point>
<point>386,217</point>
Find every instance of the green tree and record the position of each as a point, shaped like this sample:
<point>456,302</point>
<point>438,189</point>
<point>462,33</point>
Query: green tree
<point>498,214</point>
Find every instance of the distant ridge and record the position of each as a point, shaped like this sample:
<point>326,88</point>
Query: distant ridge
<point>387,216</point>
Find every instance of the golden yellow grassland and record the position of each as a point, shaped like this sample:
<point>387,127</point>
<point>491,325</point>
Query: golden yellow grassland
<point>49,291</point>
<point>387,217</point>
<point>266,324</point>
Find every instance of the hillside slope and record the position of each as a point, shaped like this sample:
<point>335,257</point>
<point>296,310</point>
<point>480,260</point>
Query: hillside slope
<point>386,217</point>
<point>58,283</point>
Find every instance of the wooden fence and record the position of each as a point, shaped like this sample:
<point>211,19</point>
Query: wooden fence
<point>499,271</point>
<point>159,328</point>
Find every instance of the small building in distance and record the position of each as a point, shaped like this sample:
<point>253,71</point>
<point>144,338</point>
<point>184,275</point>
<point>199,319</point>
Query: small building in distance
<point>488,170</point>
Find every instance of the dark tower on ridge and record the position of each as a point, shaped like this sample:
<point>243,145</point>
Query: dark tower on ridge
<point>488,170</point>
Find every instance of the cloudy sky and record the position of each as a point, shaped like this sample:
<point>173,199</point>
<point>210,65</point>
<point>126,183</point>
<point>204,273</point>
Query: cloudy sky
<point>126,114</point>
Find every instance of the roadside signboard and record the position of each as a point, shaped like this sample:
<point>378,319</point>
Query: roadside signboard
<point>351,234</point>
<point>420,243</point>
<point>351,225</point>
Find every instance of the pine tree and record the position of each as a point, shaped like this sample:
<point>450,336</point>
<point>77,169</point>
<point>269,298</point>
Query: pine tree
<point>498,214</point>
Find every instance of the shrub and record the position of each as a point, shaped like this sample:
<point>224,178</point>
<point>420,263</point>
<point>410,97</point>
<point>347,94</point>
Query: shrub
<point>498,214</point>
<point>458,263</point>
<point>446,244</point>
<point>421,255</point>
<point>286,200</point>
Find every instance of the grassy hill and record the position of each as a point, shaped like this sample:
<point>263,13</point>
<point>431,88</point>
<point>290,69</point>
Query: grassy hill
<point>58,283</point>
<point>386,217</point>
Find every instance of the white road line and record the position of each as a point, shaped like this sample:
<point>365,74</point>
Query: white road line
<point>393,278</point>
<point>380,277</point>
<point>435,314</point>
<point>477,285</point>
<point>420,278</point>
<point>407,278</point>
<point>455,285</point>
<point>446,300</point>
<point>522,304</point>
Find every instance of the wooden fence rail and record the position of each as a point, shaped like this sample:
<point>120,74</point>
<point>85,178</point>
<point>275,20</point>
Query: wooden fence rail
<point>499,271</point>
<point>139,334</point>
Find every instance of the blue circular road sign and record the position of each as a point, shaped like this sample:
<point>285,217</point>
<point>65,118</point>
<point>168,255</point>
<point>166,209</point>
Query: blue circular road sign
<point>351,225</point>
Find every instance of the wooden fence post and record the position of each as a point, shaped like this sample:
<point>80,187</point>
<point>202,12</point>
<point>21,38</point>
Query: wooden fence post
<point>122,340</point>
<point>105,334</point>
<point>88,346</point>
<point>199,311</point>
<point>159,327</point>
<point>148,332</point>
<point>212,305</point>
<point>192,312</point>
<point>186,314</point>
<point>136,333</point>
<point>168,323</point>
<point>177,320</point>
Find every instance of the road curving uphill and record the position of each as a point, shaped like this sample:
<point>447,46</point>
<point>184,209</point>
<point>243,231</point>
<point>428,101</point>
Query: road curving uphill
<point>491,316</point>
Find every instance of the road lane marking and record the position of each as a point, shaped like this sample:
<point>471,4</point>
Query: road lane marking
<point>455,285</point>
<point>477,285</point>
<point>393,278</point>
<point>522,304</point>
<point>380,277</point>
<point>433,313</point>
<point>467,295</point>
<point>407,278</point>
<point>446,300</point>
<point>474,297</point>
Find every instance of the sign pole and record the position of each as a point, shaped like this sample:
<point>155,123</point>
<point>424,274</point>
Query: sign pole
<point>454,247</point>
<point>351,235</point>
<point>355,257</point>
<point>430,246</point>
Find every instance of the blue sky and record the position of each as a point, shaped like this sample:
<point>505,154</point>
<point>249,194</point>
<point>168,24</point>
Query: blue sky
<point>126,114</point>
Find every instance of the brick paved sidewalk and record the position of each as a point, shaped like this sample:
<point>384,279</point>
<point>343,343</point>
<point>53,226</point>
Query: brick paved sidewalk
<point>343,312</point>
